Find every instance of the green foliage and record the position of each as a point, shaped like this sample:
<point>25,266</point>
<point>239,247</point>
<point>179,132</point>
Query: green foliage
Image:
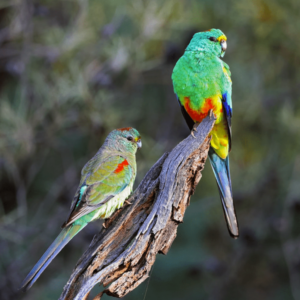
<point>71,71</point>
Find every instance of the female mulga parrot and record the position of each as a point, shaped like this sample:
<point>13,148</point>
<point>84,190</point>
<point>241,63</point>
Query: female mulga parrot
<point>202,85</point>
<point>106,181</point>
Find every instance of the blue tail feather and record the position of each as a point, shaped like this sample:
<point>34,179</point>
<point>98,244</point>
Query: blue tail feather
<point>59,243</point>
<point>222,174</point>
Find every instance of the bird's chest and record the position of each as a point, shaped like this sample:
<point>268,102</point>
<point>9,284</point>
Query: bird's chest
<point>107,209</point>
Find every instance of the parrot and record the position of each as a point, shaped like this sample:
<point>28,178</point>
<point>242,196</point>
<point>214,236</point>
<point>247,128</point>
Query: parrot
<point>202,84</point>
<point>106,182</point>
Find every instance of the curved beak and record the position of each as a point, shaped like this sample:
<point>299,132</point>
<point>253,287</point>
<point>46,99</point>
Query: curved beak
<point>224,45</point>
<point>139,144</point>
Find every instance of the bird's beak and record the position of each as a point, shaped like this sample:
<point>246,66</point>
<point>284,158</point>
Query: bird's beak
<point>224,45</point>
<point>139,144</point>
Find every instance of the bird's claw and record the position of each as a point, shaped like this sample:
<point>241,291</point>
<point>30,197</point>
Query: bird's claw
<point>127,202</point>
<point>194,129</point>
<point>103,224</point>
<point>211,114</point>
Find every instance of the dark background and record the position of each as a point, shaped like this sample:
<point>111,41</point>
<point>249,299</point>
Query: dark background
<point>71,71</point>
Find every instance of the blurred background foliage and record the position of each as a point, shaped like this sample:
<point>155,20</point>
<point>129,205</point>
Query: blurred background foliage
<point>71,71</point>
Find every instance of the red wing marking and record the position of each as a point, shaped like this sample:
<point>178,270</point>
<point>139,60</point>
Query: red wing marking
<point>124,129</point>
<point>121,166</point>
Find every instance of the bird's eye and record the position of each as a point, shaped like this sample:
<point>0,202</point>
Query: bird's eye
<point>130,138</point>
<point>213,39</point>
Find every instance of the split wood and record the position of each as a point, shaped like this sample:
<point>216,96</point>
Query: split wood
<point>123,253</point>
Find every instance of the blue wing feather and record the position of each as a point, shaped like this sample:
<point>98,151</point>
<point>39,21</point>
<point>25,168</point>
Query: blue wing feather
<point>227,108</point>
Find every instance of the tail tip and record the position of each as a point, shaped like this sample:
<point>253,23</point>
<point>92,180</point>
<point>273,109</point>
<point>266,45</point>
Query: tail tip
<point>234,233</point>
<point>24,287</point>
<point>235,236</point>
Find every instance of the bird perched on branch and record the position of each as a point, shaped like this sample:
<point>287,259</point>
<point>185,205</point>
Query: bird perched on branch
<point>203,85</point>
<point>106,181</point>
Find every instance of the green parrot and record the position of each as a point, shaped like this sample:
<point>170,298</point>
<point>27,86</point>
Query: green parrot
<point>106,181</point>
<point>202,84</point>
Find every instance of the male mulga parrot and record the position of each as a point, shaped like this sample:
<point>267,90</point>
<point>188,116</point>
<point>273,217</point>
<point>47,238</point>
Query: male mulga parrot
<point>202,85</point>
<point>106,181</point>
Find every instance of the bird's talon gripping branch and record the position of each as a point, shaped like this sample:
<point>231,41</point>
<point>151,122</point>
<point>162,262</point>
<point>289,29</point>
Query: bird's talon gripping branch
<point>211,114</point>
<point>196,126</point>
<point>194,129</point>
<point>127,202</point>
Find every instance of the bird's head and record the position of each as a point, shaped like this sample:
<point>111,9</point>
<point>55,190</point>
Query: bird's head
<point>213,41</point>
<point>125,139</point>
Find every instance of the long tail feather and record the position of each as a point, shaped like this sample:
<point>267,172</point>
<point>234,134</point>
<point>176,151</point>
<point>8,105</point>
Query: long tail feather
<point>63,238</point>
<point>221,170</point>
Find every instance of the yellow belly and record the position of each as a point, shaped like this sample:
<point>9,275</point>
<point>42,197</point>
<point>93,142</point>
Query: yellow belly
<point>107,209</point>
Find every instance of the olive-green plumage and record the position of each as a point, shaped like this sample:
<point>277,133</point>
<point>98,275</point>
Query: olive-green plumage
<point>202,83</point>
<point>106,181</point>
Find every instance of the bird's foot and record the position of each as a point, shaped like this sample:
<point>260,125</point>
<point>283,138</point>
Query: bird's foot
<point>211,114</point>
<point>104,225</point>
<point>127,202</point>
<point>194,129</point>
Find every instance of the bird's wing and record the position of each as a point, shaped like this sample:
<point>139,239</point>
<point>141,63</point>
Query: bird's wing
<point>227,104</point>
<point>84,172</point>
<point>188,119</point>
<point>109,179</point>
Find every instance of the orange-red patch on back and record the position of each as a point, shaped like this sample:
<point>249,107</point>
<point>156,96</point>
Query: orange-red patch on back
<point>121,166</point>
<point>198,116</point>
<point>124,129</point>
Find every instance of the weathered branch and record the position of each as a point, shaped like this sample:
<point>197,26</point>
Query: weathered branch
<point>123,253</point>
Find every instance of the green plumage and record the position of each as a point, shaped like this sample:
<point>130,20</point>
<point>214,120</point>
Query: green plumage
<point>106,181</point>
<point>199,76</point>
<point>202,83</point>
<point>201,80</point>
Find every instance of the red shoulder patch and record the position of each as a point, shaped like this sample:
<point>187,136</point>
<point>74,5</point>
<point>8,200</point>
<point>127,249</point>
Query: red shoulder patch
<point>124,129</point>
<point>121,166</point>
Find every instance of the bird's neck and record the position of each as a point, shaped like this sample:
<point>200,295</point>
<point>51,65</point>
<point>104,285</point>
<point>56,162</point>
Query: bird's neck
<point>195,58</point>
<point>113,151</point>
<point>203,54</point>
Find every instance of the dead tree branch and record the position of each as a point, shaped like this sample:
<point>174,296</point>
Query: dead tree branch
<point>122,254</point>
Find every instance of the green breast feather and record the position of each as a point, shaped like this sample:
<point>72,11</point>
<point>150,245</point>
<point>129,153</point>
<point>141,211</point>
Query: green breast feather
<point>200,76</point>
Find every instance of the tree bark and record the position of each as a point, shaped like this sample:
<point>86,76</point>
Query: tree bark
<point>123,253</point>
